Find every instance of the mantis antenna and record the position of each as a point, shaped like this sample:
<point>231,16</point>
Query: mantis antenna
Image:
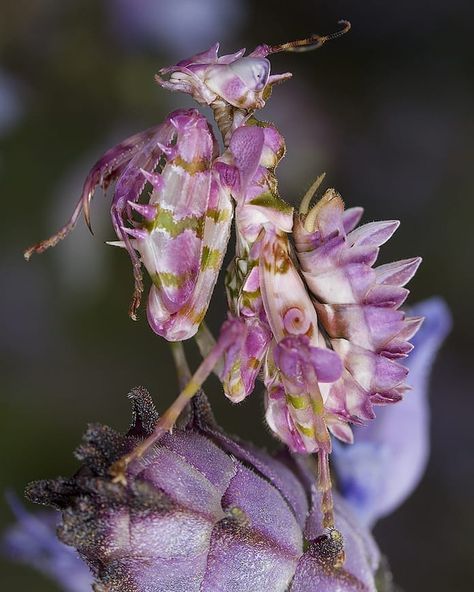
<point>312,42</point>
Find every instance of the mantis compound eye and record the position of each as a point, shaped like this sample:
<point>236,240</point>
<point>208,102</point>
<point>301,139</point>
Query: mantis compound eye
<point>253,72</point>
<point>240,83</point>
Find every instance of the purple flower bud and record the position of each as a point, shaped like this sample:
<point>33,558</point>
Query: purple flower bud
<point>202,512</point>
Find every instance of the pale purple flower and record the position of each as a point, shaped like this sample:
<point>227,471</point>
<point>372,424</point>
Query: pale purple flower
<point>387,461</point>
<point>203,512</point>
<point>33,541</point>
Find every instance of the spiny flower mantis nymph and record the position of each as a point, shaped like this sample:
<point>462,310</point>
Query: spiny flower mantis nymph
<point>315,319</point>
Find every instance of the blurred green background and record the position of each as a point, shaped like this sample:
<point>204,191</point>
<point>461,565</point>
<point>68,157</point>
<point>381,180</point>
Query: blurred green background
<point>386,112</point>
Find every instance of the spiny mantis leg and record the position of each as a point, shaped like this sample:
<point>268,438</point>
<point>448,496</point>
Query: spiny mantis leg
<point>324,486</point>
<point>105,170</point>
<point>331,544</point>
<point>60,235</point>
<point>323,479</point>
<point>169,417</point>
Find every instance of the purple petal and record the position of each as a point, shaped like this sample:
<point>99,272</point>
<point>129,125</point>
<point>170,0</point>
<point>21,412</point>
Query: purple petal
<point>174,536</point>
<point>265,510</point>
<point>164,575</point>
<point>240,560</point>
<point>204,456</point>
<point>273,470</point>
<point>183,483</point>
<point>33,541</point>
